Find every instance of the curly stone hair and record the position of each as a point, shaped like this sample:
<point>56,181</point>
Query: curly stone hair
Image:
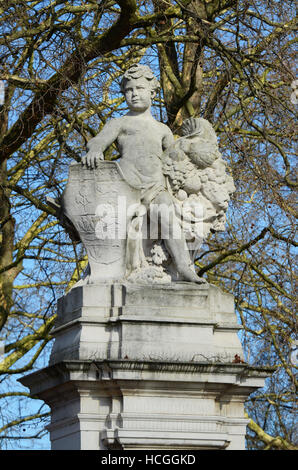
<point>138,71</point>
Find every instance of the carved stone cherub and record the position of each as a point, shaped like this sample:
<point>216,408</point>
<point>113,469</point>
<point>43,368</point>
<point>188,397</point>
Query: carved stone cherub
<point>142,141</point>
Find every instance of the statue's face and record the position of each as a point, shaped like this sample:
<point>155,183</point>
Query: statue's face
<point>138,94</point>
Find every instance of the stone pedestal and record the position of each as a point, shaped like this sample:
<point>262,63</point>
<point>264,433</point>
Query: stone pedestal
<point>146,367</point>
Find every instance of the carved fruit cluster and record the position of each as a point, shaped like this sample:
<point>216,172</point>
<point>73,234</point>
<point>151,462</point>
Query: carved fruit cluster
<point>178,171</point>
<point>183,174</point>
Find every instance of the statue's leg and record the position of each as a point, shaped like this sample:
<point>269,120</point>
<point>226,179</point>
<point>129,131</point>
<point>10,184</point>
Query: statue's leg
<point>182,260</point>
<point>173,237</point>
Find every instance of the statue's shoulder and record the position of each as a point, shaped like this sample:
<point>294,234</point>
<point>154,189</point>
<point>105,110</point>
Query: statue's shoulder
<point>164,128</point>
<point>114,124</point>
<point>116,121</point>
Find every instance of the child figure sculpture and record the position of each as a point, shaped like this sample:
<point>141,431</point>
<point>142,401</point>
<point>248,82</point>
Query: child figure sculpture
<point>142,142</point>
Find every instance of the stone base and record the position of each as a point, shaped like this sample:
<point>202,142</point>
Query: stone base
<point>175,322</point>
<point>104,405</point>
<point>146,367</point>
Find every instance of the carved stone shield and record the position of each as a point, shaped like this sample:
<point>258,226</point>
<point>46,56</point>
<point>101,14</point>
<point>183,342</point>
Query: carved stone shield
<point>97,202</point>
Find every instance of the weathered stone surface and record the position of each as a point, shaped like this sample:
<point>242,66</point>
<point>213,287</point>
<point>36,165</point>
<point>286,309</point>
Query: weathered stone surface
<point>180,321</point>
<point>124,404</point>
<point>95,201</point>
<point>140,359</point>
<point>146,367</point>
<point>181,187</point>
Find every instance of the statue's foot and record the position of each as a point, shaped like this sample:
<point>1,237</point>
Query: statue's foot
<point>189,275</point>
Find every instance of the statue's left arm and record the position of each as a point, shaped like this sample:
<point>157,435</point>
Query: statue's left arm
<point>168,139</point>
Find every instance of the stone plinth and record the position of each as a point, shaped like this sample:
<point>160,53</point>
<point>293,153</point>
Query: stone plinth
<point>146,367</point>
<point>178,321</point>
<point>124,404</point>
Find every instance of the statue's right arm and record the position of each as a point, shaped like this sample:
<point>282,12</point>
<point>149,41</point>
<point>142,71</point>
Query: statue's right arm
<point>97,145</point>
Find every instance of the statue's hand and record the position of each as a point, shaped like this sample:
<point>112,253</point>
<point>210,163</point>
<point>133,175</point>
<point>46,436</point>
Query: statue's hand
<point>92,158</point>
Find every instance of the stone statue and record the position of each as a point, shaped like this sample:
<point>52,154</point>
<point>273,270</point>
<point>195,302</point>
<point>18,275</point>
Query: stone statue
<point>182,187</point>
<point>142,333</point>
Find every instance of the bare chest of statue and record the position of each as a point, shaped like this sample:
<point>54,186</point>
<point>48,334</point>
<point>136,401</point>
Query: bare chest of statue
<point>140,136</point>
<point>140,145</point>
